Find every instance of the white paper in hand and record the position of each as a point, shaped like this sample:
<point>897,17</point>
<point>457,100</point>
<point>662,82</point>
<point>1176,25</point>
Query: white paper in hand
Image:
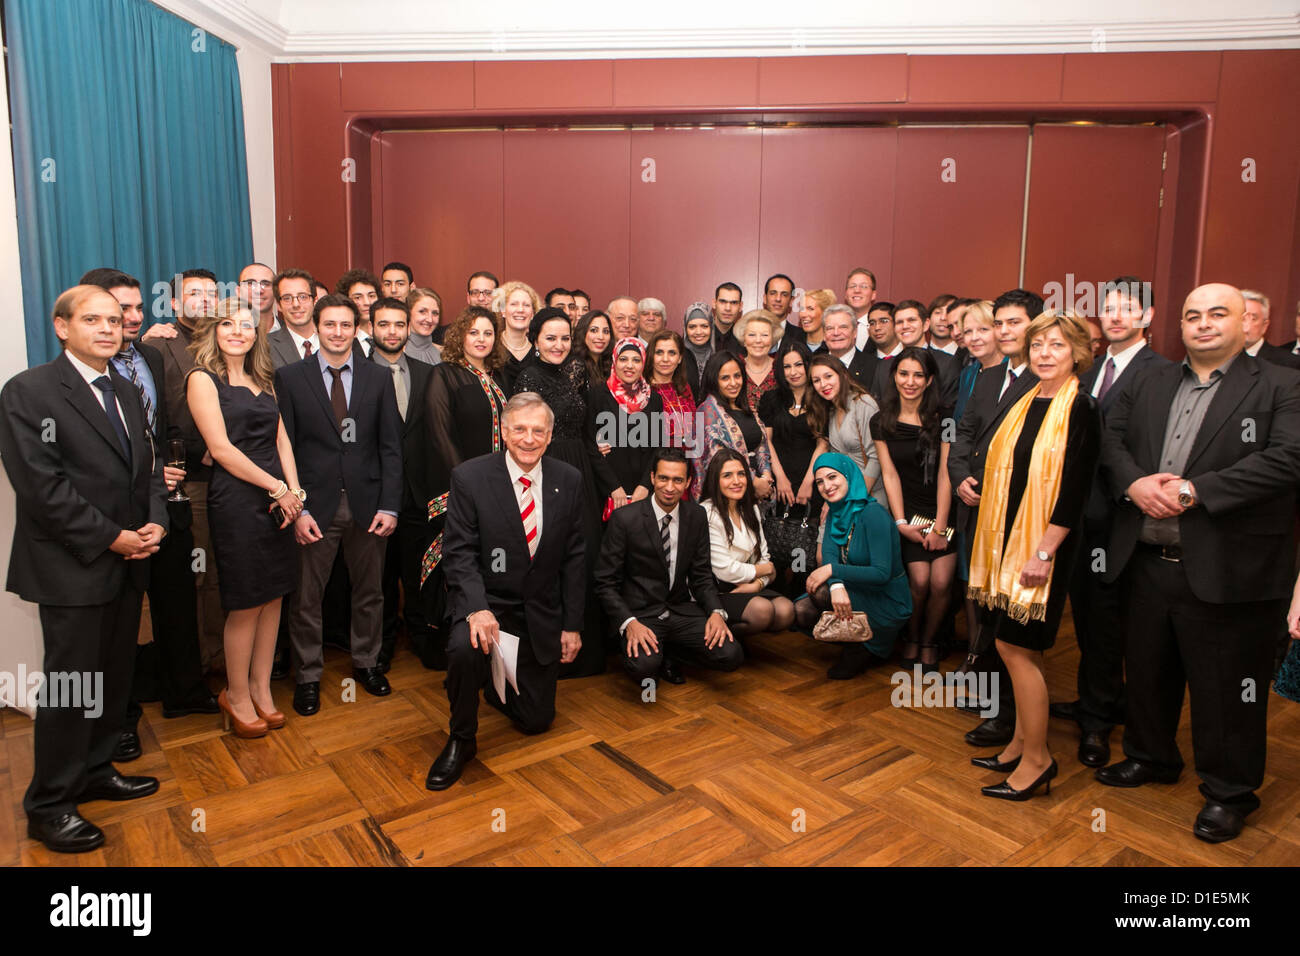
<point>505,663</point>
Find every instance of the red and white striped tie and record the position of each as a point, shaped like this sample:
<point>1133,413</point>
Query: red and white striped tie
<point>528,512</point>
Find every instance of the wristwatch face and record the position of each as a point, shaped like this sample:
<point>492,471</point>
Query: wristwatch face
<point>1185,496</point>
<point>1044,556</point>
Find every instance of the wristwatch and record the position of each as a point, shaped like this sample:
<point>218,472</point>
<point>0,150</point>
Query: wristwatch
<point>1185,496</point>
<point>1042,556</point>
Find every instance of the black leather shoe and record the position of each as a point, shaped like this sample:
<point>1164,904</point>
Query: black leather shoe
<point>1218,824</point>
<point>1131,773</point>
<point>118,787</point>
<point>450,764</point>
<point>854,660</point>
<point>991,763</point>
<point>974,707</point>
<point>69,833</point>
<point>306,698</point>
<point>128,747</point>
<point>670,672</point>
<point>197,705</point>
<point>993,732</point>
<point>1064,709</point>
<point>1094,749</point>
<point>384,664</point>
<point>1004,790</point>
<point>280,669</point>
<point>373,680</point>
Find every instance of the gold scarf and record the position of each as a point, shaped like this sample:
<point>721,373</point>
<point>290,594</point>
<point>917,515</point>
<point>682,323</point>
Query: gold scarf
<point>995,565</point>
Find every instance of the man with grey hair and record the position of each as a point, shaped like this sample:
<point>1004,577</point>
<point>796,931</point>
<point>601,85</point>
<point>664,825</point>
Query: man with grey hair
<point>622,317</point>
<point>514,557</point>
<point>649,318</point>
<point>839,331</point>
<point>1255,325</point>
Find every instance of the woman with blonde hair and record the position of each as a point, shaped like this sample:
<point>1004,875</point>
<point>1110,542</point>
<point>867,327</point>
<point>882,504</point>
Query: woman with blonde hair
<point>426,328</point>
<point>516,302</point>
<point>1038,473</point>
<point>815,302</point>
<point>758,330</point>
<point>253,498</point>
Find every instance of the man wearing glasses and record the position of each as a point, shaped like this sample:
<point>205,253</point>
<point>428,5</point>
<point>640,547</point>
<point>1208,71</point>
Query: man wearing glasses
<point>479,289</point>
<point>255,283</point>
<point>296,338</point>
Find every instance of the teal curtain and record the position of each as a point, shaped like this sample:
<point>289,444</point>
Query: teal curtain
<point>128,134</point>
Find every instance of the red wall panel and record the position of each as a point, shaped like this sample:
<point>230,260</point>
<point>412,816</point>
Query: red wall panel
<point>566,202</point>
<point>543,84</point>
<point>832,79</point>
<point>1094,195</point>
<point>960,236</point>
<point>827,206</point>
<point>1141,77</point>
<point>1031,78</point>
<point>443,206</point>
<point>407,86</point>
<point>696,225</point>
<point>731,82</point>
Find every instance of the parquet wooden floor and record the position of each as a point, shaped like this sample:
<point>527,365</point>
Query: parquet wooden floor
<point>771,765</point>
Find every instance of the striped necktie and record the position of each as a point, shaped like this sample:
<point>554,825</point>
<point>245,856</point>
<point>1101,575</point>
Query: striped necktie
<point>528,512</point>
<point>151,416</point>
<point>666,540</point>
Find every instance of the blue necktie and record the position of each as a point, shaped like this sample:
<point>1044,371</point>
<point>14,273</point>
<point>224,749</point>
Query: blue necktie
<point>133,373</point>
<point>105,385</point>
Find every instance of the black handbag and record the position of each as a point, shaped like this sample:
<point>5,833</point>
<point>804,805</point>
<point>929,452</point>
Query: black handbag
<point>789,528</point>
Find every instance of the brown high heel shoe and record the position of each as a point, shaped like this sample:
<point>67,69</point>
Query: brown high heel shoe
<point>274,719</point>
<point>249,731</point>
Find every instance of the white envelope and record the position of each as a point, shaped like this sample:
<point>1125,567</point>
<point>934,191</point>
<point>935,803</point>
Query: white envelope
<point>505,663</point>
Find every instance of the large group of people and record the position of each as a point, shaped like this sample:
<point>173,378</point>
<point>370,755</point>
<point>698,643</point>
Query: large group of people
<point>530,477</point>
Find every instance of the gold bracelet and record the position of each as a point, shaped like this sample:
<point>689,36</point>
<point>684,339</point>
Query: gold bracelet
<point>281,489</point>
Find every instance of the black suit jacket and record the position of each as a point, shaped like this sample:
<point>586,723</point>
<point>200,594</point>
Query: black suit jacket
<point>863,367</point>
<point>632,575</point>
<point>486,557</point>
<point>75,489</point>
<point>417,475</point>
<point>178,511</point>
<point>1100,501</point>
<point>369,466</point>
<point>1279,355</point>
<point>984,413</point>
<point>1244,464</point>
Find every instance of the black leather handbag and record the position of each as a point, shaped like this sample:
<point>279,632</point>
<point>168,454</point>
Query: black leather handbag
<point>789,528</point>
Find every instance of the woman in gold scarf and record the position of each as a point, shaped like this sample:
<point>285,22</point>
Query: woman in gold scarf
<point>1039,470</point>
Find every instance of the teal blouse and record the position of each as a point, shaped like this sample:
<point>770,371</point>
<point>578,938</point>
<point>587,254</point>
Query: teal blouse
<point>873,575</point>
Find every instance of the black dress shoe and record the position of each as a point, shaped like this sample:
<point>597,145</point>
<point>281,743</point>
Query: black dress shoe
<point>991,763</point>
<point>197,705</point>
<point>450,764</point>
<point>306,698</point>
<point>128,747</point>
<point>974,707</point>
<point>1004,790</point>
<point>1131,773</point>
<point>118,787</point>
<point>384,664</point>
<point>854,660</point>
<point>280,669</point>
<point>670,672</point>
<point>1094,749</point>
<point>1064,709</point>
<point>69,833</point>
<point>993,732</point>
<point>373,680</point>
<point>1217,823</point>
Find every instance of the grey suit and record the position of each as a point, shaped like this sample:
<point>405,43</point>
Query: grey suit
<point>283,350</point>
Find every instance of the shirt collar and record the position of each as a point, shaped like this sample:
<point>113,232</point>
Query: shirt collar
<point>84,370</point>
<point>898,347</point>
<point>1216,374</point>
<point>325,365</point>
<point>379,356</point>
<point>1253,351</point>
<point>659,513</point>
<point>534,476</point>
<point>298,339</point>
<point>1122,358</point>
<point>1018,370</point>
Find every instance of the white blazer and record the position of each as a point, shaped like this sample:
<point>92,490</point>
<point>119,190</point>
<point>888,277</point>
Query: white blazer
<point>734,563</point>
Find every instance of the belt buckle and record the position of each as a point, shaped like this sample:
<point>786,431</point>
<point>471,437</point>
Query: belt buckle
<point>1171,553</point>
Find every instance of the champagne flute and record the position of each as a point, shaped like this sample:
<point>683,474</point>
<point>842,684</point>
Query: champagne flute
<point>176,458</point>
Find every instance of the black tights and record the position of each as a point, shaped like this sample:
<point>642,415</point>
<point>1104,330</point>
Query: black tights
<point>765,616</point>
<point>809,610</point>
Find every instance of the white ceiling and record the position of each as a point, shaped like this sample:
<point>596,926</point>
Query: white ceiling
<point>302,30</point>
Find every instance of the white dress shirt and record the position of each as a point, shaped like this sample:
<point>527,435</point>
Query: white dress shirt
<point>298,340</point>
<point>848,357</point>
<point>1121,360</point>
<point>950,348</point>
<point>534,476</point>
<point>864,333</point>
<point>1007,377</point>
<point>1253,350</point>
<point>898,347</point>
<point>89,374</point>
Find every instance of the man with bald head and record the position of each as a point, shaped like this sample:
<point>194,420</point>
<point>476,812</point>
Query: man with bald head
<point>623,318</point>
<point>1203,461</point>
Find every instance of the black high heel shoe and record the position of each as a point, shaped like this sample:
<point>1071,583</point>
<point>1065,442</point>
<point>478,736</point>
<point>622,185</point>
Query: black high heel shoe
<point>1004,790</point>
<point>930,667</point>
<point>991,763</point>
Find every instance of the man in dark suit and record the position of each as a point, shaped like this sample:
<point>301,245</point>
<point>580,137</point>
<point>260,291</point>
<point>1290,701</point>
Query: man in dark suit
<point>169,667</point>
<point>514,554</point>
<point>728,307</point>
<point>1203,462</point>
<point>1294,345</point>
<point>296,337</point>
<point>342,420</point>
<point>838,331</point>
<point>778,298</point>
<point>656,583</point>
<point>996,392</point>
<point>89,489</point>
<point>1126,313</point>
<point>406,546</point>
<point>1256,326</point>
<point>910,328</point>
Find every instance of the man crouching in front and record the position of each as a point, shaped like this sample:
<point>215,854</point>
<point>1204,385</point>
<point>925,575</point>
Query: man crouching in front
<point>514,529</point>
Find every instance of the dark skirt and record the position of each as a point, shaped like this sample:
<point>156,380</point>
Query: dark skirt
<point>734,604</point>
<point>915,552</point>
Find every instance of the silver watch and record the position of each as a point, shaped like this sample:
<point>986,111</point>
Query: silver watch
<point>1043,556</point>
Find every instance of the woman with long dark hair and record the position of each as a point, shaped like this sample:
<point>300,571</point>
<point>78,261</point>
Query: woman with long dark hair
<point>841,412</point>
<point>728,423</point>
<point>914,471</point>
<point>738,550</point>
<point>593,345</point>
<point>231,395</point>
<point>666,353</point>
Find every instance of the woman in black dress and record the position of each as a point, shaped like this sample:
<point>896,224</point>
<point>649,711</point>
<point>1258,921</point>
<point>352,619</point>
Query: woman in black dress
<point>593,345</point>
<point>1037,477</point>
<point>561,380</point>
<point>465,401</point>
<point>627,419</point>
<point>517,303</point>
<point>914,470</point>
<point>253,498</point>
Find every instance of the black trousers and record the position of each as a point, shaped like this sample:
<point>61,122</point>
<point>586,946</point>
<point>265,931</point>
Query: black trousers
<point>175,667</point>
<point>1177,640</point>
<point>74,745</point>
<point>402,600</point>
<point>1099,629</point>
<point>469,669</point>
<point>682,636</point>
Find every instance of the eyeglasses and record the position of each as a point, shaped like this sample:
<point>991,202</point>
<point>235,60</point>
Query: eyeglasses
<point>264,283</point>
<point>289,297</point>
<point>859,287</point>
<point>481,293</point>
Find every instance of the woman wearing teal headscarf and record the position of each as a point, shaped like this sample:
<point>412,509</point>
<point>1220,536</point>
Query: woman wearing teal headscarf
<point>862,566</point>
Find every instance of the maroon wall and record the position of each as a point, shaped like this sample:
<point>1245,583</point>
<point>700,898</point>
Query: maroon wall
<point>514,190</point>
